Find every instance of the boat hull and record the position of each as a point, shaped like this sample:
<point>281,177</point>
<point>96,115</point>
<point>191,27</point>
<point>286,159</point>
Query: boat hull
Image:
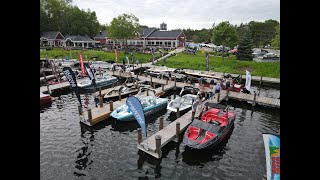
<point>105,84</point>
<point>210,143</point>
<point>148,111</point>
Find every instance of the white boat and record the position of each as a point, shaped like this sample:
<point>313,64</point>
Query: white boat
<point>183,103</point>
<point>101,81</point>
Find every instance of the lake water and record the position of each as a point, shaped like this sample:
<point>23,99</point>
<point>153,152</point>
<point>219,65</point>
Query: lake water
<point>69,150</point>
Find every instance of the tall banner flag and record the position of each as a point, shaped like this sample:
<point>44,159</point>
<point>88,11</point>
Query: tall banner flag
<point>272,149</point>
<point>72,80</point>
<point>135,107</point>
<point>90,73</point>
<point>81,64</point>
<point>152,52</point>
<point>248,80</point>
<point>207,61</point>
<point>127,60</point>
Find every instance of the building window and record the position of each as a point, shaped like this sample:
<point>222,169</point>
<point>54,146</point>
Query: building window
<point>174,43</point>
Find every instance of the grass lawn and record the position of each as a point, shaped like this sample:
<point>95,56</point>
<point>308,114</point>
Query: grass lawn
<point>102,55</point>
<point>229,65</point>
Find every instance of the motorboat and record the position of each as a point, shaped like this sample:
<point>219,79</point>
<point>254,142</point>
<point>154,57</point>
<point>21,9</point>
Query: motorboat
<point>212,128</point>
<point>104,80</point>
<point>122,90</point>
<point>45,99</point>
<point>150,104</point>
<point>184,103</point>
<point>185,100</point>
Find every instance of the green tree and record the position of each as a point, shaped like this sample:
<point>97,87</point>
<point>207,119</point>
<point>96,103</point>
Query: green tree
<point>60,15</point>
<point>276,39</point>
<point>263,32</point>
<point>224,34</point>
<point>241,29</point>
<point>123,27</point>
<point>245,47</point>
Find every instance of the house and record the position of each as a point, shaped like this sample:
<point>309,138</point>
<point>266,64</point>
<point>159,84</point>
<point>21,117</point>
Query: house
<point>158,37</point>
<point>101,37</point>
<point>52,38</point>
<point>78,41</point>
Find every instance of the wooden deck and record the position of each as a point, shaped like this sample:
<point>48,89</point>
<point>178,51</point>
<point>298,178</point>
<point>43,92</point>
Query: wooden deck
<point>55,86</point>
<point>167,134</point>
<point>100,114</point>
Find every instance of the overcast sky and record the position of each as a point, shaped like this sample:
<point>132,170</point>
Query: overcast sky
<point>196,14</point>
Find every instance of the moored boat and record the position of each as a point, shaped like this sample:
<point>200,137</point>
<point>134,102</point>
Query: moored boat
<point>45,99</point>
<point>122,91</point>
<point>101,81</point>
<point>211,129</point>
<point>150,105</point>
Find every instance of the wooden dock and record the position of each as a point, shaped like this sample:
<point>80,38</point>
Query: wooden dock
<point>265,101</point>
<point>167,134</point>
<point>55,86</point>
<point>100,113</point>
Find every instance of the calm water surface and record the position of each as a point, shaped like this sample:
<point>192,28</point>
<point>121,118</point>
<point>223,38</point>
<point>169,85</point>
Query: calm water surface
<point>69,150</point>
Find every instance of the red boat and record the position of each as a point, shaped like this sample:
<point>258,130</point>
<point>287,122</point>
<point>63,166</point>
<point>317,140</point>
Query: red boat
<point>45,99</point>
<point>211,129</point>
<point>234,87</point>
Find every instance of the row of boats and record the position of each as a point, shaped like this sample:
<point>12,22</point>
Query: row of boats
<point>205,132</point>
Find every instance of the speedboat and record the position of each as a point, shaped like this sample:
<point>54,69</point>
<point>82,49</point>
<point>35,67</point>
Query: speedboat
<point>150,104</point>
<point>183,102</point>
<point>211,129</point>
<point>45,99</point>
<point>101,81</point>
<point>124,90</point>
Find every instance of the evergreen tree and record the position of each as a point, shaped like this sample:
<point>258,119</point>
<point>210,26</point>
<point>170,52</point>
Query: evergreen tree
<point>245,47</point>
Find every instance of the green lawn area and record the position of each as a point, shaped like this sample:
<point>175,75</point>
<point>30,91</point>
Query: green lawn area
<point>229,65</point>
<point>102,55</point>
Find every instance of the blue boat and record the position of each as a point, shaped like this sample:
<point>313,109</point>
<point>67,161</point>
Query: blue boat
<point>150,105</point>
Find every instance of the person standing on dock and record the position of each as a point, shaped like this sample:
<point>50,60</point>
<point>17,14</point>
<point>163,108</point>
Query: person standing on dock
<point>218,87</point>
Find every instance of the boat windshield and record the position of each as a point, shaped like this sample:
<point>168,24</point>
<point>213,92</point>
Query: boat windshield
<point>148,101</point>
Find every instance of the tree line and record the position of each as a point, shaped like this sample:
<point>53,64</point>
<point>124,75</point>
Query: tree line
<point>61,15</point>
<point>262,33</point>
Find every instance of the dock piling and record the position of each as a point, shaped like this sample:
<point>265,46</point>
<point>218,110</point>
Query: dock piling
<point>166,81</point>
<point>177,130</point>
<point>161,123</point>
<point>178,113</point>
<point>101,101</point>
<point>254,99</point>
<point>162,87</point>
<point>111,105</point>
<point>139,136</point>
<point>218,99</point>
<point>192,115</point>
<point>158,144</point>
<point>80,109</point>
<point>99,91</point>
<point>175,84</point>
<point>260,85</point>
<point>89,115</point>
<point>119,96</point>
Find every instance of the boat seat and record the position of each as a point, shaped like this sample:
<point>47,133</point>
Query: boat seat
<point>193,132</point>
<point>209,135</point>
<point>209,117</point>
<point>223,121</point>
